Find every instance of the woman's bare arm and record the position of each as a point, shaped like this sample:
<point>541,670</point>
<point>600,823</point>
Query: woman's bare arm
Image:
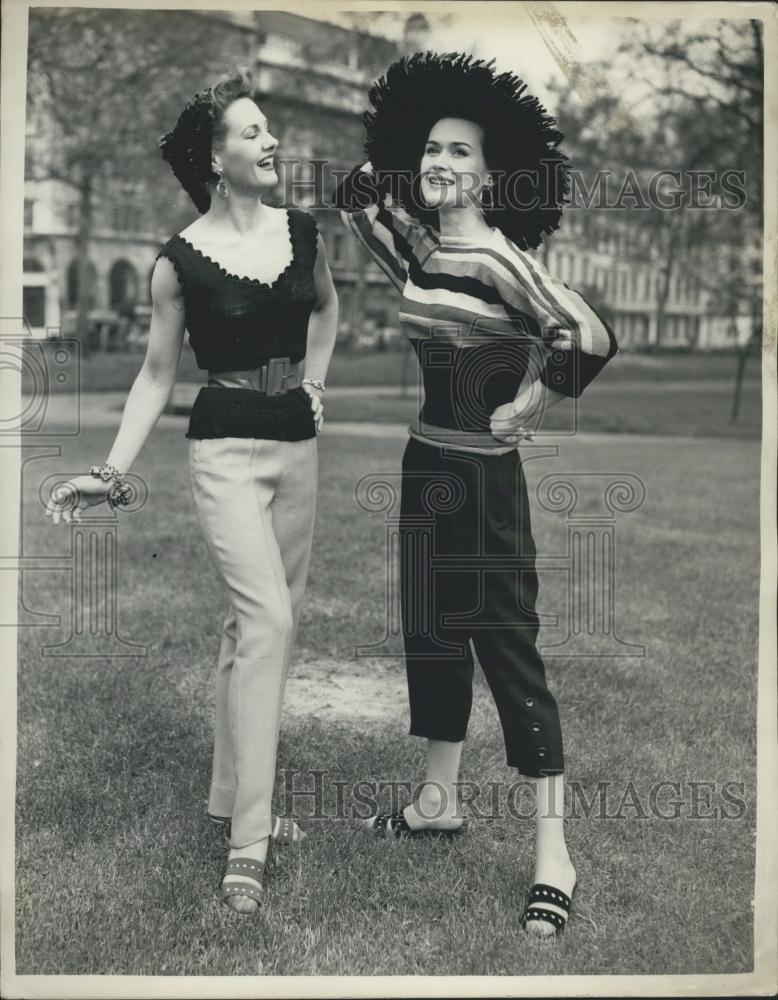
<point>153,384</point>
<point>323,324</point>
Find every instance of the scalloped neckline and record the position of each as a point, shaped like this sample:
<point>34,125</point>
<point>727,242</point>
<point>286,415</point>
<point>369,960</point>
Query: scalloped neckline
<point>244,277</point>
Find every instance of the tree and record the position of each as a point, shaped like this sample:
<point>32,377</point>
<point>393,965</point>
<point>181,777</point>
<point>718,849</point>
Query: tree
<point>102,87</point>
<point>715,80</point>
<point>716,74</point>
<point>699,112</point>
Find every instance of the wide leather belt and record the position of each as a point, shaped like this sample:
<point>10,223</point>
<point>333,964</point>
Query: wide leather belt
<point>278,376</point>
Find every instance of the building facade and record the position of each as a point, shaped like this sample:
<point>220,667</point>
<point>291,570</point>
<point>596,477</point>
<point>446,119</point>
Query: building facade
<point>627,290</point>
<point>316,76</point>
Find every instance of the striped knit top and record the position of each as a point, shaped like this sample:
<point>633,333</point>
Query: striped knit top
<point>480,315</point>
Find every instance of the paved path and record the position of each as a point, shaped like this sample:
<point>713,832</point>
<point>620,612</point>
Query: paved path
<point>685,385</point>
<point>104,409</point>
<point>698,385</point>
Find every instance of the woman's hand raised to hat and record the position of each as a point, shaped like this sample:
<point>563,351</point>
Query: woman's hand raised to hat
<point>372,210</point>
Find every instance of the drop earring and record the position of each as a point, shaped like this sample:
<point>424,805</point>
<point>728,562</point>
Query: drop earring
<point>221,188</point>
<point>487,205</point>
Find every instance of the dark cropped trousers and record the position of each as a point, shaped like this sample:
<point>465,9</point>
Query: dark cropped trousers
<point>468,581</point>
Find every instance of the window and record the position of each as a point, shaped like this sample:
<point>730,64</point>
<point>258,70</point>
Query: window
<point>122,284</point>
<point>34,305</point>
<point>125,218</point>
<point>29,204</point>
<point>337,242</point>
<point>72,284</point>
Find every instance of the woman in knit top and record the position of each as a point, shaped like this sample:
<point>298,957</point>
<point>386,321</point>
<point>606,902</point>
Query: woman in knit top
<point>463,178</point>
<point>250,284</point>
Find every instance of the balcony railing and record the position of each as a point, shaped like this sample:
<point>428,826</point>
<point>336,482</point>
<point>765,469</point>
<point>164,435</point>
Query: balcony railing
<point>273,54</point>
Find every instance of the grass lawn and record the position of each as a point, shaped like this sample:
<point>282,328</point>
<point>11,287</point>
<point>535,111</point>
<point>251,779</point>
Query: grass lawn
<point>118,871</point>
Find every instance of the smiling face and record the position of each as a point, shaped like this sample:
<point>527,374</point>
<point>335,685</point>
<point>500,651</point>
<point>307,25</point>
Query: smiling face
<point>453,168</point>
<point>244,147</point>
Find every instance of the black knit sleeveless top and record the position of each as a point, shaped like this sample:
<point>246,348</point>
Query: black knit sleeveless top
<point>238,323</point>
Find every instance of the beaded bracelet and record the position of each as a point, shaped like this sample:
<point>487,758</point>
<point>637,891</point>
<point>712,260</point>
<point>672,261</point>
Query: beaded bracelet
<point>315,382</point>
<point>121,494</point>
<point>105,472</point>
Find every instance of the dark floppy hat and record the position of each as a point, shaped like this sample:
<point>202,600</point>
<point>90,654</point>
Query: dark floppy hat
<point>187,148</point>
<point>531,179</point>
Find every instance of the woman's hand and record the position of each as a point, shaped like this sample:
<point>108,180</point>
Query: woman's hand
<point>507,425</point>
<point>316,406</point>
<point>69,498</point>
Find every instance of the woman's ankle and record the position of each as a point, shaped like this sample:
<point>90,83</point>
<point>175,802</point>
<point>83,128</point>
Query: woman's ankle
<point>436,802</point>
<point>258,849</point>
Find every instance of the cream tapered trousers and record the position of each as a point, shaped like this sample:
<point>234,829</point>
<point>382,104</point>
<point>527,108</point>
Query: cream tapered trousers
<point>255,503</point>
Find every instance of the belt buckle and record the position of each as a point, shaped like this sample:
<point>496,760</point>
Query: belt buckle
<point>277,375</point>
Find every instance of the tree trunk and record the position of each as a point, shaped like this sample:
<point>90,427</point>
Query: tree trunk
<point>358,303</point>
<point>661,303</point>
<point>664,288</point>
<point>743,352</point>
<point>742,357</point>
<point>84,291</point>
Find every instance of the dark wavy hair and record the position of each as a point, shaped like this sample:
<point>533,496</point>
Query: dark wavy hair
<point>531,178</point>
<point>200,129</point>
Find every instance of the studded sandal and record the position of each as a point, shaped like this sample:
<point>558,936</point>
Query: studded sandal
<point>396,825</point>
<point>247,868</point>
<point>545,902</point>
<point>285,830</point>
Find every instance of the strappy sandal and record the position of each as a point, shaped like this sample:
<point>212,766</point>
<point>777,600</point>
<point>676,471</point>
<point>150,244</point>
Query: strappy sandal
<point>285,830</point>
<point>396,825</point>
<point>251,868</point>
<point>545,902</point>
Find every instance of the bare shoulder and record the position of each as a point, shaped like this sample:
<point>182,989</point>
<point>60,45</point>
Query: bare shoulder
<point>165,281</point>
